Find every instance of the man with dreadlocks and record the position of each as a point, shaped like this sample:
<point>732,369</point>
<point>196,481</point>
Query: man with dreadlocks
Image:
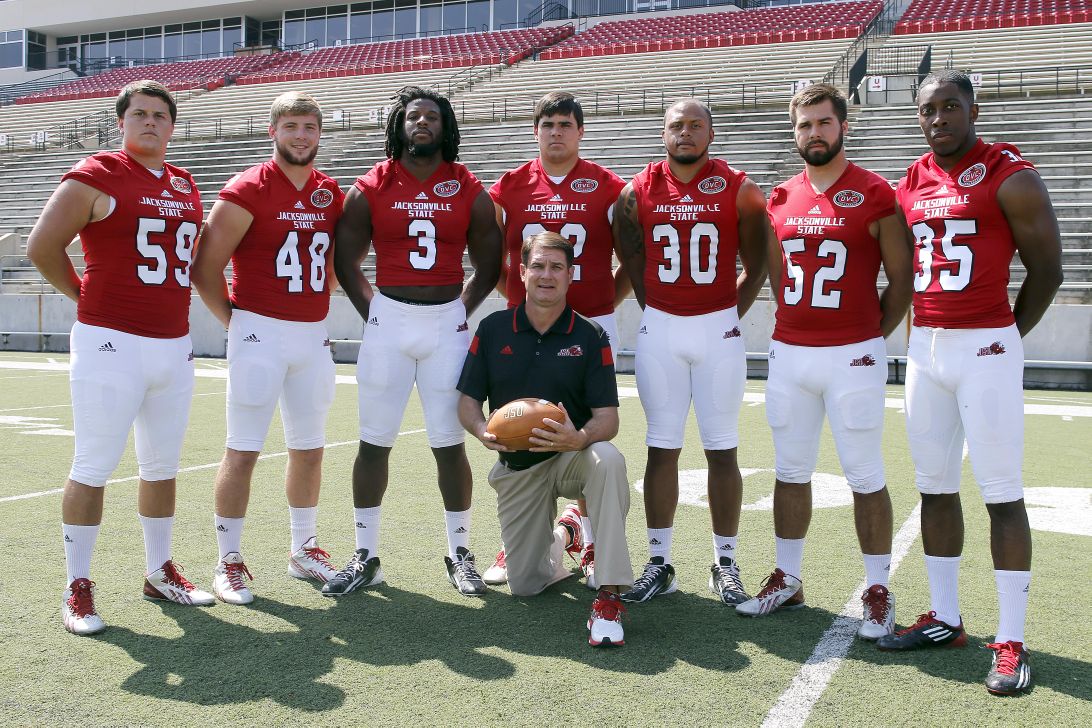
<point>420,211</point>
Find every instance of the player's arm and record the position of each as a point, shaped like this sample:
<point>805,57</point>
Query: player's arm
<point>896,245</point>
<point>352,241</point>
<point>754,232</point>
<point>622,285</point>
<point>773,260</point>
<point>502,279</point>
<point>485,248</point>
<point>629,242</point>
<point>71,206</point>
<point>223,231</point>
<point>473,421</point>
<point>1024,199</point>
<point>564,437</point>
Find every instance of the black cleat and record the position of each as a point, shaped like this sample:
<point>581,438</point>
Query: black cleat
<point>1010,672</point>
<point>657,578</point>
<point>463,574</point>
<point>928,631</point>
<point>724,582</point>
<point>360,571</point>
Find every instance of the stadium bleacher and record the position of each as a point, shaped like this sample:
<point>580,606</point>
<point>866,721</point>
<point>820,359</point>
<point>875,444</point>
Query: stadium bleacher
<point>946,16</point>
<point>448,51</point>
<point>820,21</point>
<point>210,73</point>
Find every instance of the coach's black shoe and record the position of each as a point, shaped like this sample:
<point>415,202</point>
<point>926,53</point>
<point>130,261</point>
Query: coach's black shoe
<point>724,582</point>
<point>657,578</point>
<point>928,631</point>
<point>360,571</point>
<point>1010,672</point>
<point>464,574</point>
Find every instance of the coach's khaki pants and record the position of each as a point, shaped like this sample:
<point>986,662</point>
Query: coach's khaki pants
<point>527,505</point>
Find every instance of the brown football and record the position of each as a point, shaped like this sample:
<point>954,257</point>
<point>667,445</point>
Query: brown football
<point>512,423</point>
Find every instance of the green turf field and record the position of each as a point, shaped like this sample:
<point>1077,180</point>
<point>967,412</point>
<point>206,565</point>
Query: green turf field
<point>414,650</point>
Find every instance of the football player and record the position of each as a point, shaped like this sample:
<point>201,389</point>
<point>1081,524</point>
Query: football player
<point>275,223</point>
<point>560,192</point>
<point>834,224</point>
<point>419,210</point>
<point>132,362</point>
<point>970,205</point>
<point>679,226</point>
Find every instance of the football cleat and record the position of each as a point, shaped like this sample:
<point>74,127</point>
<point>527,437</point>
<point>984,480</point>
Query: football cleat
<point>311,562</point>
<point>167,584</point>
<point>78,608</point>
<point>1010,672</point>
<point>928,631</point>
<point>227,580</point>
<point>570,521</point>
<point>463,574</point>
<point>360,571</point>
<point>724,582</point>
<point>605,622</point>
<point>497,573</point>
<point>587,566</point>
<point>657,578</point>
<point>877,613</point>
<point>779,591</point>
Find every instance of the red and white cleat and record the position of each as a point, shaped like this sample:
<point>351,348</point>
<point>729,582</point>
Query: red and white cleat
<point>167,584</point>
<point>78,608</point>
<point>311,562</point>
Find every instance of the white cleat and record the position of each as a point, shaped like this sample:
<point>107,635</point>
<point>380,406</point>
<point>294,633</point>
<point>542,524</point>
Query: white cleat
<point>878,613</point>
<point>311,562</point>
<point>167,584</point>
<point>227,580</point>
<point>78,608</point>
<point>605,622</point>
<point>497,574</point>
<point>779,591</point>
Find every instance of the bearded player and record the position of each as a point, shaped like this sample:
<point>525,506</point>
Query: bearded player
<point>275,223</point>
<point>561,192</point>
<point>679,226</point>
<point>420,211</point>
<point>969,206</point>
<point>132,362</point>
<point>834,225</point>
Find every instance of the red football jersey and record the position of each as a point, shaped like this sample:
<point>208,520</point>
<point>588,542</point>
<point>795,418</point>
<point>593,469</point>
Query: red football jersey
<point>280,267</point>
<point>829,261</point>
<point>691,237</point>
<point>136,277</point>
<point>963,241</point>
<point>578,208</point>
<point>419,228</point>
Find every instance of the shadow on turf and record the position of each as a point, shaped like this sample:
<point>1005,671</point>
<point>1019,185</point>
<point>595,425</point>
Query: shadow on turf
<point>218,663</point>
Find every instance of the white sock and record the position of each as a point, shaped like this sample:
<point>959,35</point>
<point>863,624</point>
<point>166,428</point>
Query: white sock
<point>79,542</point>
<point>229,535</point>
<point>586,531</point>
<point>367,529</point>
<point>157,540</point>
<point>724,546</point>
<point>943,574</point>
<point>790,555</point>
<point>877,569</point>
<point>1012,594</point>
<point>304,525</point>
<point>659,542</point>
<point>458,530</point>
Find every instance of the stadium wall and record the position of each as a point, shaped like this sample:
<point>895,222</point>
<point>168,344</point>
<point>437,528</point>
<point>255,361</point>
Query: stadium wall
<point>1062,335</point>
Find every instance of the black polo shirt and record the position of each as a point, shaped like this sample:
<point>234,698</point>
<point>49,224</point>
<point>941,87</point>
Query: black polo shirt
<point>571,363</point>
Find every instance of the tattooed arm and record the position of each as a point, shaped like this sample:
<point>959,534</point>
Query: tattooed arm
<point>629,241</point>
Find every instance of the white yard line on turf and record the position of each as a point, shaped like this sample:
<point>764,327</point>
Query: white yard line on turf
<point>190,469</point>
<point>796,703</point>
